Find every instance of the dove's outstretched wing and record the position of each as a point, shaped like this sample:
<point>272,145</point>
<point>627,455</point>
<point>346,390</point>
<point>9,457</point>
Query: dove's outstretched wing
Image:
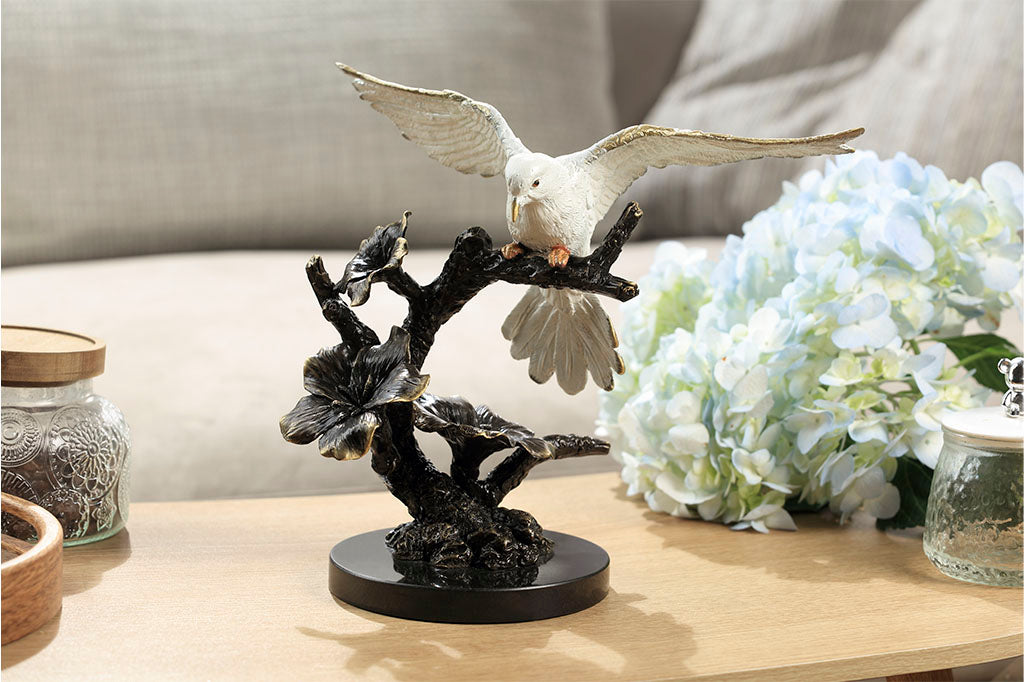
<point>469,136</point>
<point>619,159</point>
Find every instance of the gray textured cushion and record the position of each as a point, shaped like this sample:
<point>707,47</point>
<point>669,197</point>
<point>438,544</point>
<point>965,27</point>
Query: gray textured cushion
<point>138,126</point>
<point>648,37</point>
<point>939,79</point>
<point>154,126</point>
<point>205,354</point>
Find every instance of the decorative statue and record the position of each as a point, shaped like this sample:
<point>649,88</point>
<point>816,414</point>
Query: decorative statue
<point>366,397</point>
<point>555,203</point>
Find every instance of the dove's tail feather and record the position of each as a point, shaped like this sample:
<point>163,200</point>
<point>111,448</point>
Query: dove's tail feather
<point>567,333</point>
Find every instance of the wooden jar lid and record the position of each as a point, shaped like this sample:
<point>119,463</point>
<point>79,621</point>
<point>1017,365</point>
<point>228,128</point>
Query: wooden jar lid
<point>34,356</point>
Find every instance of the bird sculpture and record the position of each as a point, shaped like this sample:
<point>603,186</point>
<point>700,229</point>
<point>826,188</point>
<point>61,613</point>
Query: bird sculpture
<point>554,203</point>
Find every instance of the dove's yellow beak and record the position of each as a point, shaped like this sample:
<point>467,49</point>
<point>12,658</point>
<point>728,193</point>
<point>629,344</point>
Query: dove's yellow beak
<point>515,210</point>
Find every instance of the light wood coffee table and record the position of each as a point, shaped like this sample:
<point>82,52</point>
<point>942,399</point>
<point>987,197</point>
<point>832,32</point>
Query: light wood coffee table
<point>238,590</point>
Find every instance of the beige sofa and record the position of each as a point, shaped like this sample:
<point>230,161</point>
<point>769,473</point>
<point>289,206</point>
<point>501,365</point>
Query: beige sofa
<point>191,156</point>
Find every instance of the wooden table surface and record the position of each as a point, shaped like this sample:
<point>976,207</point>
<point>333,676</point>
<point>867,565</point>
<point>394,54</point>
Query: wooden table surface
<point>238,589</point>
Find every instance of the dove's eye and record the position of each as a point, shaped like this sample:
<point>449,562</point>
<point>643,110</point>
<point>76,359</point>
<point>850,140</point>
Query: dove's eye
<point>536,183</point>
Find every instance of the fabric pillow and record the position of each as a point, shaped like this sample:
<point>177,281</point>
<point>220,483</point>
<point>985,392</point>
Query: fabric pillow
<point>648,37</point>
<point>173,125</point>
<point>940,80</point>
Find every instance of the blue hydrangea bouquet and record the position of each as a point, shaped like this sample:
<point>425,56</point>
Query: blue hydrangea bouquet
<point>808,367</point>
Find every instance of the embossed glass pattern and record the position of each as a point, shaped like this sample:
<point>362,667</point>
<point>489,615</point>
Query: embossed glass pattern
<point>67,450</point>
<point>974,530</point>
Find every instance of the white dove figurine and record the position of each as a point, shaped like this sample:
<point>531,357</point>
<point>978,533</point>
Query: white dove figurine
<point>555,203</point>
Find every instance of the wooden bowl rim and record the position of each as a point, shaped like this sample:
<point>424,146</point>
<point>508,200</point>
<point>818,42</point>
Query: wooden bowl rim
<point>48,529</point>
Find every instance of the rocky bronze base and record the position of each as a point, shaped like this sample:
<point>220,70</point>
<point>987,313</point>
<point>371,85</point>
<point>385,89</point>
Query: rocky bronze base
<point>365,574</point>
<point>493,538</point>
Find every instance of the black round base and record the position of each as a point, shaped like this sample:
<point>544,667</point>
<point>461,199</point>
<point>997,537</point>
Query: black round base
<point>364,574</point>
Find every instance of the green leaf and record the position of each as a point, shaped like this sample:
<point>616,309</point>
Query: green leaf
<point>981,352</point>
<point>914,481</point>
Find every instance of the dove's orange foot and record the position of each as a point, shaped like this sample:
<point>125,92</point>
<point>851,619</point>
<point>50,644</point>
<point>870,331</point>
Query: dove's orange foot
<point>558,257</point>
<point>512,250</point>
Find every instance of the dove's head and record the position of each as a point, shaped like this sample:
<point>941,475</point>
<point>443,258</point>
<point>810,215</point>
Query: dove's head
<point>534,177</point>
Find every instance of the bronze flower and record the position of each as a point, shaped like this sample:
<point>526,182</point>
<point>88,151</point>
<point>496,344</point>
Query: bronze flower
<point>347,395</point>
<point>379,254</point>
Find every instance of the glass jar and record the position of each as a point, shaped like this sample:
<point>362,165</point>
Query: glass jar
<point>973,528</point>
<point>64,447</point>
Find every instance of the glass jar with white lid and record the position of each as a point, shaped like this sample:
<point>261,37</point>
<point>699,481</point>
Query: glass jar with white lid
<point>974,529</point>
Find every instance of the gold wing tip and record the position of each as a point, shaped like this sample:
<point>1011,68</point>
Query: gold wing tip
<point>358,78</point>
<point>620,366</point>
<point>360,81</point>
<point>846,136</point>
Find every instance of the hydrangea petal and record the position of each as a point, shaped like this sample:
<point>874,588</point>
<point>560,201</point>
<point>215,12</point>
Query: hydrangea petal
<point>752,386</point>
<point>870,484</point>
<point>873,333</point>
<point>659,501</point>
<point>926,446</point>
<point>1000,274</point>
<point>1004,182</point>
<point>742,461</point>
<point>904,238</point>
<point>780,520</point>
<point>841,474</point>
<point>810,426</point>
<point>926,366</point>
<point>728,372</point>
<point>885,505</point>
<point>849,503</point>
<point>864,430</point>
<point>843,371</point>
<point>688,439</point>
<point>710,508</point>
<point>675,487</point>
<point>683,407</point>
